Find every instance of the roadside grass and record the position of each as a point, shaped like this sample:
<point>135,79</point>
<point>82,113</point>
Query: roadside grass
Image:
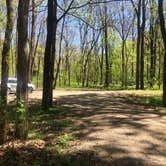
<point>150,98</point>
<point>112,87</point>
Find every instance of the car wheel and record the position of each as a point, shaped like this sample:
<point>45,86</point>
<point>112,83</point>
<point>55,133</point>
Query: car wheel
<point>8,91</point>
<point>30,90</point>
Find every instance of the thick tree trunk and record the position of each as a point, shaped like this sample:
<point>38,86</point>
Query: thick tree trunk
<point>5,70</point>
<point>163,31</point>
<point>22,69</point>
<point>49,57</point>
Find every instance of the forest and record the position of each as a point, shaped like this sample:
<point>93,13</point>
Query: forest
<point>82,82</point>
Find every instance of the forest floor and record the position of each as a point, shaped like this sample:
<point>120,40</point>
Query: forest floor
<point>93,128</point>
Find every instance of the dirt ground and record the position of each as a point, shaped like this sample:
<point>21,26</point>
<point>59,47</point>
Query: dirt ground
<point>117,131</point>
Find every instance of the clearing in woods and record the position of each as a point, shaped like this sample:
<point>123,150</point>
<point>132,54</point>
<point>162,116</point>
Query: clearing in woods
<point>113,128</point>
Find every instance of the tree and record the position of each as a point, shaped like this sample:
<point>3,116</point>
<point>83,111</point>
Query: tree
<point>5,69</point>
<point>123,27</point>
<point>138,13</point>
<point>32,40</point>
<point>107,67</point>
<point>163,32</point>
<point>153,39</point>
<point>22,70</point>
<point>142,45</point>
<point>49,57</point>
<point>59,54</point>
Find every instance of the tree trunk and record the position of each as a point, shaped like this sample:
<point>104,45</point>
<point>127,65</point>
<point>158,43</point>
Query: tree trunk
<point>5,70</point>
<point>123,62</point>
<point>32,40</point>
<point>38,71</point>
<point>159,67</point>
<point>106,48</point>
<point>101,64</point>
<point>22,70</point>
<point>138,46</point>
<point>49,57</point>
<point>163,32</point>
<point>152,44</point>
<point>59,60</point>
<point>142,45</point>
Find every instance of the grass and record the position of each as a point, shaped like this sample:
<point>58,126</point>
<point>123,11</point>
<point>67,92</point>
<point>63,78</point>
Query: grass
<point>149,98</point>
<point>33,135</point>
<point>65,139</point>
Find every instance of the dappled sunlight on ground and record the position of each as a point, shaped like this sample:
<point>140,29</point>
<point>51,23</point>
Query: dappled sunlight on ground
<point>114,128</point>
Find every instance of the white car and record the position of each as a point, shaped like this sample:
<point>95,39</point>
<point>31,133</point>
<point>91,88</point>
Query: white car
<point>12,85</point>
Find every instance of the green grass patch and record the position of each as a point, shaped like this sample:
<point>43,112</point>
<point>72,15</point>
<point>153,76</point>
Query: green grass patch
<point>150,100</point>
<point>33,135</point>
<point>64,140</point>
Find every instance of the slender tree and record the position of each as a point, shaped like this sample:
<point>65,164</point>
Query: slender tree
<point>32,40</point>
<point>107,67</point>
<point>152,42</point>
<point>5,69</point>
<point>49,57</point>
<point>59,56</point>
<point>142,45</point>
<point>163,31</point>
<point>138,46</point>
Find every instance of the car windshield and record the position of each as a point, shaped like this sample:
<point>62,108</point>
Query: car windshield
<point>12,81</point>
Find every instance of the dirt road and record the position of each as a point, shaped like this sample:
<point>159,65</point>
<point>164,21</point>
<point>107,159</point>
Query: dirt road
<point>116,131</point>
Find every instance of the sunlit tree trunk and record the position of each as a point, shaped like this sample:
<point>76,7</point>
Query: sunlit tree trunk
<point>22,70</point>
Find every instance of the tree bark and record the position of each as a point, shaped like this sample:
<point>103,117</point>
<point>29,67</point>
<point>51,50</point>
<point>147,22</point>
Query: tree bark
<point>163,32</point>
<point>138,46</point>
<point>22,68</point>
<point>5,70</point>
<point>142,45</point>
<point>106,48</point>
<point>123,62</point>
<point>152,44</point>
<point>49,57</point>
<point>32,40</point>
